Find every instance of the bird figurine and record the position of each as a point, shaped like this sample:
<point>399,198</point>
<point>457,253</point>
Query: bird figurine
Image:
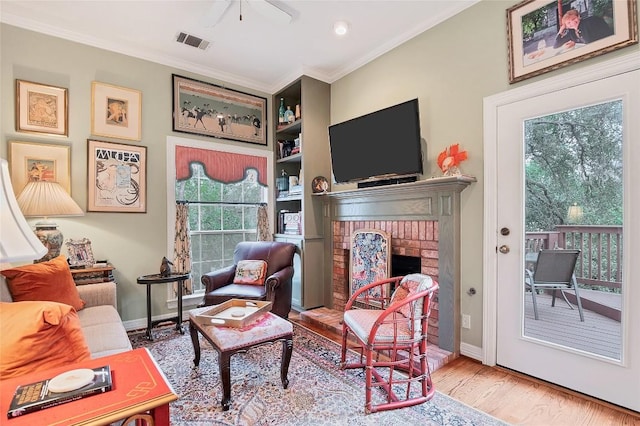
<point>165,267</point>
<point>449,162</point>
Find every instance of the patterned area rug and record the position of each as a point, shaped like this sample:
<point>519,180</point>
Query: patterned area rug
<point>319,393</point>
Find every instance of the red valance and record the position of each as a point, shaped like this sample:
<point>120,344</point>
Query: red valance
<point>221,166</point>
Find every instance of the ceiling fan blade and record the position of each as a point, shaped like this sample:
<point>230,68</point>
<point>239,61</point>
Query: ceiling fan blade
<point>215,13</point>
<point>270,11</point>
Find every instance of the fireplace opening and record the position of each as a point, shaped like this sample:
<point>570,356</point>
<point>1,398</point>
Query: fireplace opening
<point>404,265</point>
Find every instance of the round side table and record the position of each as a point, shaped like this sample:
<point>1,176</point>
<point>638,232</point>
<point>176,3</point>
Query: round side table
<point>149,280</point>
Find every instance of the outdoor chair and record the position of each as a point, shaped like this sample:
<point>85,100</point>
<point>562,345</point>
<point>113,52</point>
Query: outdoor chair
<point>391,334</point>
<point>261,270</point>
<point>554,270</point>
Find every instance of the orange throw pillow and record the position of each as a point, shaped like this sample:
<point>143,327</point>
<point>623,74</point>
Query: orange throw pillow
<point>51,280</point>
<point>250,272</point>
<point>38,336</point>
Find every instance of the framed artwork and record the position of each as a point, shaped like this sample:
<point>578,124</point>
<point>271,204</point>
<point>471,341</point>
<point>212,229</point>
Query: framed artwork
<point>31,161</point>
<point>116,112</point>
<point>79,253</point>
<point>370,261</point>
<point>544,35</point>
<point>208,110</point>
<point>117,177</point>
<point>41,108</point>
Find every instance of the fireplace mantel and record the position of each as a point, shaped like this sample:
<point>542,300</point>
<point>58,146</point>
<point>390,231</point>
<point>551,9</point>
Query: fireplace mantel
<point>436,199</point>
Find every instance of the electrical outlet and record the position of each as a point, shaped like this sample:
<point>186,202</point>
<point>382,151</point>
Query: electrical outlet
<point>466,321</point>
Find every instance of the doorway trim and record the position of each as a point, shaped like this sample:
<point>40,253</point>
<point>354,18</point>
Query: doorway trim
<point>491,104</point>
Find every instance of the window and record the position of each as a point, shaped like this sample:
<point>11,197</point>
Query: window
<point>220,216</point>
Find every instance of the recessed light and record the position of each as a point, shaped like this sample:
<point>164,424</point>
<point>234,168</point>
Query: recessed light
<point>341,28</point>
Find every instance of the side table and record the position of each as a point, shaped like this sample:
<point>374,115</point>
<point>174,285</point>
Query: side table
<point>149,280</point>
<point>139,386</point>
<point>94,274</point>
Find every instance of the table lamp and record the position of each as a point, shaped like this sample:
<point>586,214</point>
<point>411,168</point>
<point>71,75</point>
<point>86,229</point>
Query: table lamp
<point>43,198</point>
<point>574,214</point>
<point>17,241</point>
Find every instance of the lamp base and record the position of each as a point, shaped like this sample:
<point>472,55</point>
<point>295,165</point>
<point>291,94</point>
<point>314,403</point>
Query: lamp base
<point>51,237</point>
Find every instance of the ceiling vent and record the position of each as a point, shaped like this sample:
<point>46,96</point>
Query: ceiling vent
<point>191,40</point>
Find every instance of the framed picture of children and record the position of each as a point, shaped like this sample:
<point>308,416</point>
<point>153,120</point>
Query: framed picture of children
<point>544,35</point>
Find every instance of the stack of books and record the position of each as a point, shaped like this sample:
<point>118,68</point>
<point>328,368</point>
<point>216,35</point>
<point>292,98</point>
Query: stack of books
<point>66,387</point>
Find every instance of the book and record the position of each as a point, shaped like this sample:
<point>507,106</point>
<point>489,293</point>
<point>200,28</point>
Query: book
<point>38,396</point>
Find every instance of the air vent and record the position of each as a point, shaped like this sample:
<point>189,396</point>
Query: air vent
<point>192,40</point>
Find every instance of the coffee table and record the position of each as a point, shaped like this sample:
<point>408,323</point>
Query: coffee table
<point>267,328</point>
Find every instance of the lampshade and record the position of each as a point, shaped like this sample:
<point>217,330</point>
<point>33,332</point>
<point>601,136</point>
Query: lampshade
<point>42,198</point>
<point>17,241</point>
<point>575,213</point>
<point>47,199</point>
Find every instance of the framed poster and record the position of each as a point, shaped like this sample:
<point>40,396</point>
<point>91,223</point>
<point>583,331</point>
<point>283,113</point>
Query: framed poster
<point>31,161</point>
<point>208,110</point>
<point>117,177</point>
<point>41,108</point>
<point>116,111</point>
<point>544,35</point>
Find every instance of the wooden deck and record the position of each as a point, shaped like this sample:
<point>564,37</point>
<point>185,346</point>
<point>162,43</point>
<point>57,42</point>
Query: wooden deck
<point>598,334</point>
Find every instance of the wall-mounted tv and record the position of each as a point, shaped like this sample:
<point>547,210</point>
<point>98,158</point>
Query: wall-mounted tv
<point>384,144</point>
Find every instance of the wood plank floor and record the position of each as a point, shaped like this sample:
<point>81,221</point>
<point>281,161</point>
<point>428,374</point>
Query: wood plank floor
<point>513,397</point>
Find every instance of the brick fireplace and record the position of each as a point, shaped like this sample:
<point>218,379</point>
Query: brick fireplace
<point>423,218</point>
<point>415,238</point>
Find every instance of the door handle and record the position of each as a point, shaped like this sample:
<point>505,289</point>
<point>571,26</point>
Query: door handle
<point>504,249</point>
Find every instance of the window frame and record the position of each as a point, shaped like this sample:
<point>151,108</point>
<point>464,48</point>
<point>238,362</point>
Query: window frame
<point>172,143</point>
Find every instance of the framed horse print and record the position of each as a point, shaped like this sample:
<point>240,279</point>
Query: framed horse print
<point>116,111</point>
<point>205,109</point>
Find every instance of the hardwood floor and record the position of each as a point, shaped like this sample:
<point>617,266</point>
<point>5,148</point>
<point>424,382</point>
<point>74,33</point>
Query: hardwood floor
<point>515,398</point>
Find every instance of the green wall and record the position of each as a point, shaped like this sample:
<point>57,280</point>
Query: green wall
<point>450,68</point>
<point>134,242</point>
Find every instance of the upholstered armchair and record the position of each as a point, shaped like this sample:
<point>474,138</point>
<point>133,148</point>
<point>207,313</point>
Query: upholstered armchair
<point>261,270</point>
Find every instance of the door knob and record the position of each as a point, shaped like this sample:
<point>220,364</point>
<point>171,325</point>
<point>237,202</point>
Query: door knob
<point>504,249</point>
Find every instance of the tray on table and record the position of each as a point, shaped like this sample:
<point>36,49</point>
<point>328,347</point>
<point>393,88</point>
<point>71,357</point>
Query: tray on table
<point>233,313</point>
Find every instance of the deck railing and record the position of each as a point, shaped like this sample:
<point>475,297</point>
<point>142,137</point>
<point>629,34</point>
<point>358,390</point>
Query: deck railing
<point>600,263</point>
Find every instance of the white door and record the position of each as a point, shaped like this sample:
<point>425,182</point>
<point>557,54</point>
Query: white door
<point>614,378</point>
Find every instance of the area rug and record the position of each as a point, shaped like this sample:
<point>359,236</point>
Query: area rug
<point>319,393</point>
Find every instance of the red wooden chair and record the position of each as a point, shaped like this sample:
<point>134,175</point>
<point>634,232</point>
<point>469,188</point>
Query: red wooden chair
<point>391,334</point>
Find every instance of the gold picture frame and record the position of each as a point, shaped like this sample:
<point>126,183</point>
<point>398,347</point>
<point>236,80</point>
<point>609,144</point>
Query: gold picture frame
<point>39,161</point>
<point>117,177</point>
<point>41,108</point>
<point>116,112</point>
<point>538,42</point>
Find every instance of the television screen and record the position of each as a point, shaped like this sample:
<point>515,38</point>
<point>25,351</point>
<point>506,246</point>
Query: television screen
<point>381,144</point>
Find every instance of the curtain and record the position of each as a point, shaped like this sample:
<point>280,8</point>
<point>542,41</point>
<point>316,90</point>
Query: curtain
<point>263,224</point>
<point>182,247</point>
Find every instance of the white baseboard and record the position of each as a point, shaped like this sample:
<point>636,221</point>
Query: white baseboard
<point>471,351</point>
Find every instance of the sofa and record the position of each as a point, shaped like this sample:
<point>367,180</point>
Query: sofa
<point>42,334</point>
<point>261,270</point>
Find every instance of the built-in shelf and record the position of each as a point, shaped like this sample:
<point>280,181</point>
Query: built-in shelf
<point>296,197</point>
<point>290,128</point>
<point>295,158</point>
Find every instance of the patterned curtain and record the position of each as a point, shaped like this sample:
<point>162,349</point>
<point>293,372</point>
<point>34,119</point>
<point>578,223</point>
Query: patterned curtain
<point>263,224</point>
<point>182,247</point>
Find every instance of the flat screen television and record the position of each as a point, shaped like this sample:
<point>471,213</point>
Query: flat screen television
<point>381,145</point>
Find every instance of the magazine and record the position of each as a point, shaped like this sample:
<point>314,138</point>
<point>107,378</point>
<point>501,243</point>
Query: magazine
<point>38,396</point>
